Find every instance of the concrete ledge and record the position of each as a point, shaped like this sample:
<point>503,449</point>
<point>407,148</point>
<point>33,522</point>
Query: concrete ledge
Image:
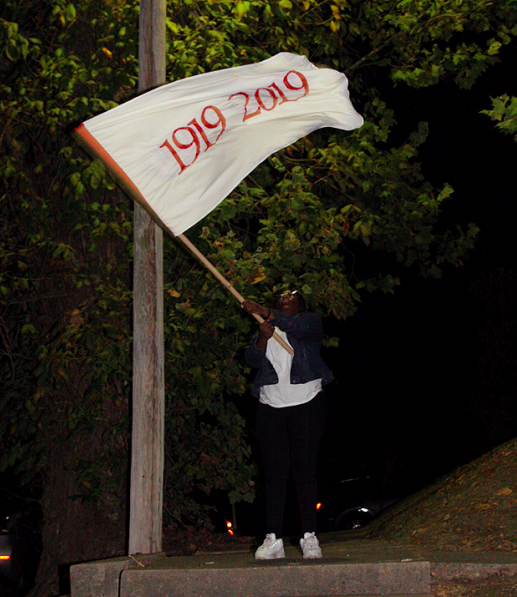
<point>392,578</point>
<point>349,568</point>
<point>101,578</point>
<point>471,571</point>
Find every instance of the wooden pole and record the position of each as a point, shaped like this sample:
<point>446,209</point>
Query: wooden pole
<point>147,439</point>
<point>227,284</point>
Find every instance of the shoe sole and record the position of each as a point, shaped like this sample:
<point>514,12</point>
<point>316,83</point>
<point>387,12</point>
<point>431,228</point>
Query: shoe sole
<point>275,557</point>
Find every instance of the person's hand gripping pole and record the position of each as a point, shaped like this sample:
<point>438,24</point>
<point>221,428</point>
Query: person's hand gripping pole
<point>266,330</point>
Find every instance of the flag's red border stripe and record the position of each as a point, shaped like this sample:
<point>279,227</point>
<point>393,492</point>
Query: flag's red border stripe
<point>90,140</point>
<point>92,146</point>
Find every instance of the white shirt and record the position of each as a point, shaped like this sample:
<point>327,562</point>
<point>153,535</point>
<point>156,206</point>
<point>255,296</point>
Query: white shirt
<point>284,393</point>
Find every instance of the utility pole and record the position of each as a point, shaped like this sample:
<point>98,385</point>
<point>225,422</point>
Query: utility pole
<point>148,410</point>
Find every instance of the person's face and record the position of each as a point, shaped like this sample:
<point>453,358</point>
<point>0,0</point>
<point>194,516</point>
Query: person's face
<point>288,303</point>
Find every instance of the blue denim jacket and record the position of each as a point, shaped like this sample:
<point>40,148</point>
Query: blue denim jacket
<point>305,334</point>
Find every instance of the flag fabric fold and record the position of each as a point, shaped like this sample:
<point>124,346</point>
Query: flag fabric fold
<point>182,148</point>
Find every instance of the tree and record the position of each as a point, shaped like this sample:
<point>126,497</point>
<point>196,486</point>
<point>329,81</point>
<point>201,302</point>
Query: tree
<point>311,215</point>
<point>65,297</point>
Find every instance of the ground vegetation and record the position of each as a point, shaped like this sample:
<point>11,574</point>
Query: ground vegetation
<point>472,509</point>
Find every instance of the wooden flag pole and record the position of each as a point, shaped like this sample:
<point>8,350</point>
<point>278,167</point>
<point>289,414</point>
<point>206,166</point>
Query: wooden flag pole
<point>227,284</point>
<point>148,404</point>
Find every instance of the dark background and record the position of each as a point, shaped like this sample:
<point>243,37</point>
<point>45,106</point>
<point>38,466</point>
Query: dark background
<point>403,405</point>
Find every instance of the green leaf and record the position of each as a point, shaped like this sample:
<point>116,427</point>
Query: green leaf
<point>70,12</point>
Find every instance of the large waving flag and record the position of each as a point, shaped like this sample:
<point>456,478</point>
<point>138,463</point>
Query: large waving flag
<point>180,149</point>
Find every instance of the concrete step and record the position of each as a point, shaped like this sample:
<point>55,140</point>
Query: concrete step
<point>349,568</point>
<point>303,579</point>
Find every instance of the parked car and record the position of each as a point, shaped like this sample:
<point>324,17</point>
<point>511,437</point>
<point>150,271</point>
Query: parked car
<point>352,503</point>
<point>18,547</point>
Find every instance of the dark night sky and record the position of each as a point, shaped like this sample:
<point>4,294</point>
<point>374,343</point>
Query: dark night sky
<point>407,368</point>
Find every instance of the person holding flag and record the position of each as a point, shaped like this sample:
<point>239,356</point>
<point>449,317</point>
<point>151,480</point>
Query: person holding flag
<point>291,414</point>
<point>179,150</point>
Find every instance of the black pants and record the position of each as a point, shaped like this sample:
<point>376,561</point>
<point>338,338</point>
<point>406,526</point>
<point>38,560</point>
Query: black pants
<point>289,440</point>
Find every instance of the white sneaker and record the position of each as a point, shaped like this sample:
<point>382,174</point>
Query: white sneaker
<point>271,549</point>
<point>310,546</point>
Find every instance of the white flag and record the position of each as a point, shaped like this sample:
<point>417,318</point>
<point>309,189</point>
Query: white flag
<point>182,148</point>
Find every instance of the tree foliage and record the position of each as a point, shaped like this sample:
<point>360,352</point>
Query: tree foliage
<point>311,215</point>
<point>504,112</point>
